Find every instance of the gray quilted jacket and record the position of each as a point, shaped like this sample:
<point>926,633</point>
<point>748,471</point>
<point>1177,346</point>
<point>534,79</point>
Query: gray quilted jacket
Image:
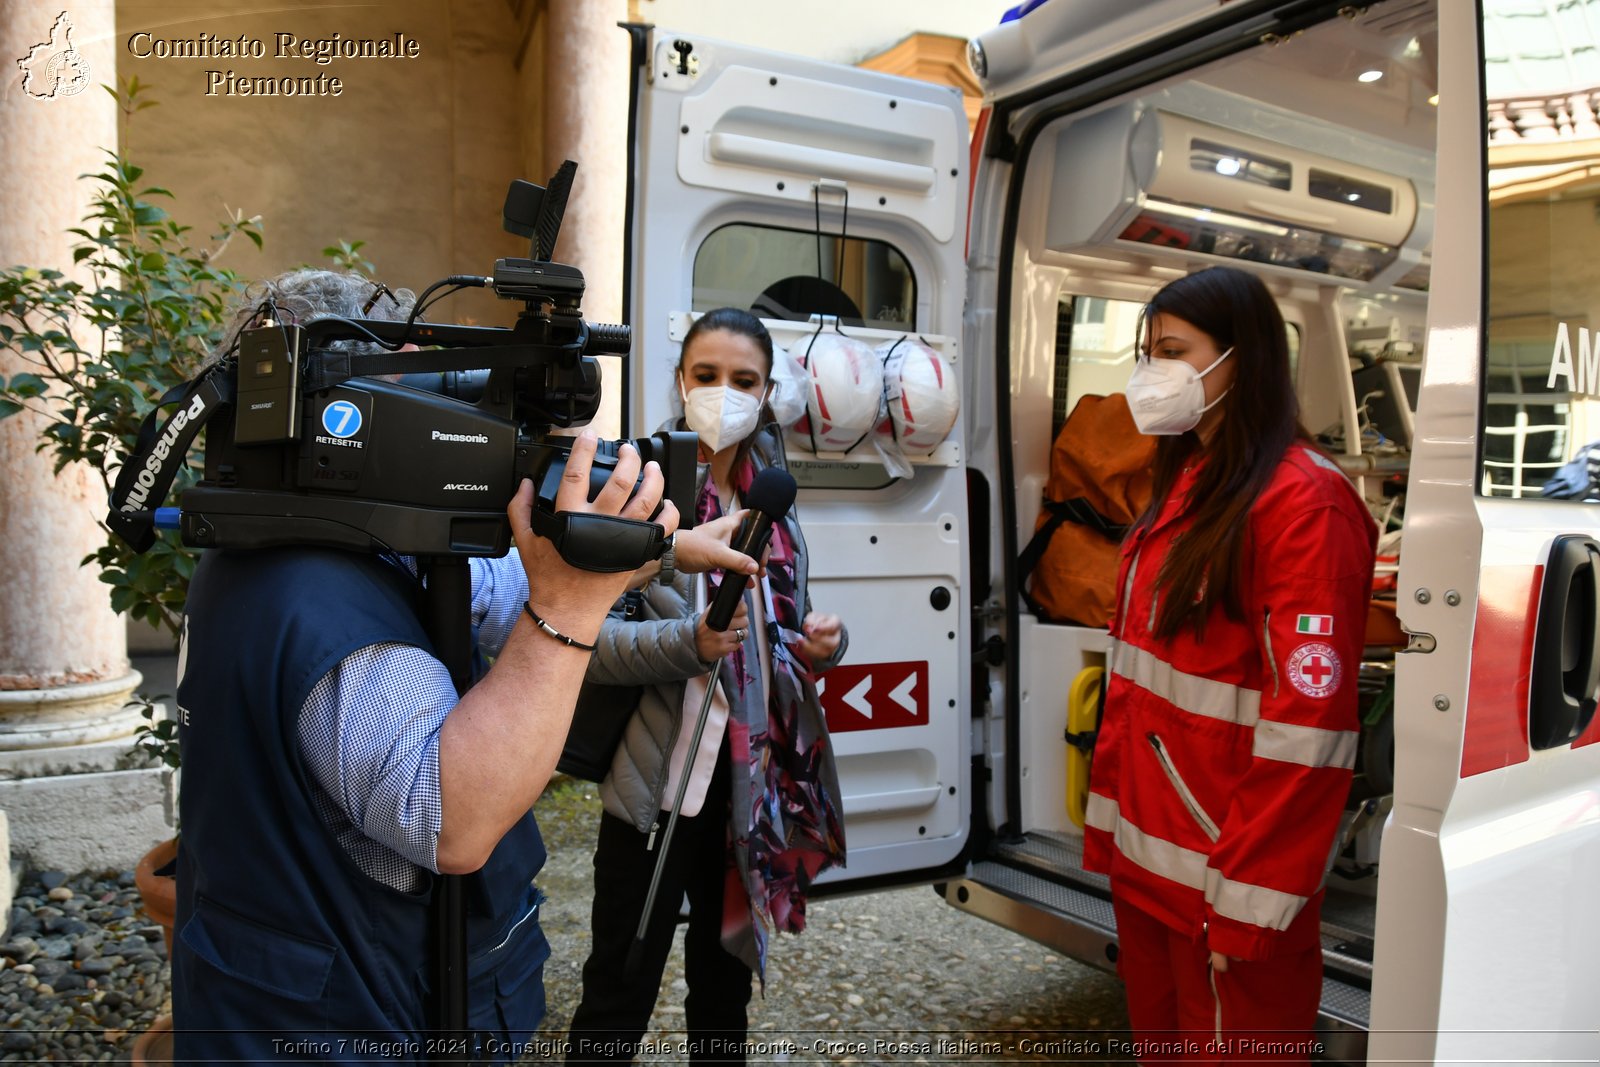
<point>656,650</point>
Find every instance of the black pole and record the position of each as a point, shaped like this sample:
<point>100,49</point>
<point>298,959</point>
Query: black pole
<point>446,615</point>
<point>636,950</point>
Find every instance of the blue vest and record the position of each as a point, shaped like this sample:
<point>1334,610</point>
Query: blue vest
<point>283,948</point>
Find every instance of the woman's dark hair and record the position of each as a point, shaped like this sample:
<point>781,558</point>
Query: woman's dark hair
<point>741,322</point>
<point>1260,420</point>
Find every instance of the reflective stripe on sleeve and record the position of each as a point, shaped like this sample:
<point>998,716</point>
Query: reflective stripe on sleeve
<point>1190,692</point>
<point>1309,746</point>
<point>1254,904</point>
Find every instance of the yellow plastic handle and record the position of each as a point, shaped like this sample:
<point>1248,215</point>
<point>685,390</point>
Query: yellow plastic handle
<point>1083,711</point>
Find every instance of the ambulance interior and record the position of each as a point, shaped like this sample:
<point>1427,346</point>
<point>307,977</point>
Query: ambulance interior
<point>1312,163</point>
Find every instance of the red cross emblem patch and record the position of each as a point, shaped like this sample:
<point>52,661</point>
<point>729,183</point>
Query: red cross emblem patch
<point>1314,669</point>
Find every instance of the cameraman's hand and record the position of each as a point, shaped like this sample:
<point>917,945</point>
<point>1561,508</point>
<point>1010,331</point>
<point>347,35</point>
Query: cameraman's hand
<point>712,645</point>
<point>571,600</point>
<point>706,547</point>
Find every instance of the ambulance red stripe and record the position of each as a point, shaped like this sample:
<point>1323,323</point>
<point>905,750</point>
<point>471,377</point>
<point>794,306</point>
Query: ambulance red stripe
<point>1496,732</point>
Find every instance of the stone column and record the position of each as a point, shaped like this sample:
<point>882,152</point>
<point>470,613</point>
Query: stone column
<point>586,120</point>
<point>64,673</point>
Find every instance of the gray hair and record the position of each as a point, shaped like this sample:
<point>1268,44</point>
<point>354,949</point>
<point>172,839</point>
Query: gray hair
<point>303,295</point>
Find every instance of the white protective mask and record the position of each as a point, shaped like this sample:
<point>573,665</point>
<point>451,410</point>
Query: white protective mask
<point>1166,396</point>
<point>722,416</point>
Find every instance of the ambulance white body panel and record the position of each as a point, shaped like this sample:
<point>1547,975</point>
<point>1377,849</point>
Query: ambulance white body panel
<point>1124,144</point>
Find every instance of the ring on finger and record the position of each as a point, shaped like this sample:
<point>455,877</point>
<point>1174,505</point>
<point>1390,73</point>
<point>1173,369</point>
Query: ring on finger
<point>739,633</point>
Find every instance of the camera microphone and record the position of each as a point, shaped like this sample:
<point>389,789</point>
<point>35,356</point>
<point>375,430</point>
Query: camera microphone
<point>770,497</point>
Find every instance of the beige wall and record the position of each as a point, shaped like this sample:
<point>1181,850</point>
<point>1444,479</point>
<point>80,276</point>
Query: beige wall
<point>413,157</point>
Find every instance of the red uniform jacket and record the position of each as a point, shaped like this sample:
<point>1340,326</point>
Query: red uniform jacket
<point>1223,764</point>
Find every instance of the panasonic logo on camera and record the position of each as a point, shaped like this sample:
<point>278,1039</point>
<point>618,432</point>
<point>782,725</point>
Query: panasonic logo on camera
<point>468,488</point>
<point>146,480</point>
<point>462,438</point>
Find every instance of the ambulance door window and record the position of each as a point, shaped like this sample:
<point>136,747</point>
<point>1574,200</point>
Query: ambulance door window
<point>1541,380</point>
<point>793,274</point>
<point>1096,340</point>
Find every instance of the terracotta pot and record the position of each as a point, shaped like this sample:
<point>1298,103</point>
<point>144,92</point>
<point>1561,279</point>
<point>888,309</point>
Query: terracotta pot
<point>154,1046</point>
<point>160,891</point>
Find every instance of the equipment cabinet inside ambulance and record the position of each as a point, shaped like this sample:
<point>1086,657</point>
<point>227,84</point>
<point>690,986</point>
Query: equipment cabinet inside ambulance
<point>1418,183</point>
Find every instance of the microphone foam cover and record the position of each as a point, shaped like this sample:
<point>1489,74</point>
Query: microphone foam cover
<point>772,492</point>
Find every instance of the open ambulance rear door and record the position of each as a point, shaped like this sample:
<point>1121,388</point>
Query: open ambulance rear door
<point>796,187</point>
<point>1488,939</point>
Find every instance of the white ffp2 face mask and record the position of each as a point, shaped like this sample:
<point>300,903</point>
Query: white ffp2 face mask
<point>1166,396</point>
<point>720,415</point>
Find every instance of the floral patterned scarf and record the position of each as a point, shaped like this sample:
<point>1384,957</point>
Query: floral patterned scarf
<point>787,825</point>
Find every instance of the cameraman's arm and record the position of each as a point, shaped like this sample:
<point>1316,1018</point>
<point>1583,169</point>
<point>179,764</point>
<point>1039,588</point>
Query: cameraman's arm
<point>499,745</point>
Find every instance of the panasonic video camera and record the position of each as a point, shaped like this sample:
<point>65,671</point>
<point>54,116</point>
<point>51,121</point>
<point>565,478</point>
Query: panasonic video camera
<point>310,445</point>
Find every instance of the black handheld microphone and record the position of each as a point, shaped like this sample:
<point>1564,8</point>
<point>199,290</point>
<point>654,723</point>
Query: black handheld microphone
<point>770,497</point>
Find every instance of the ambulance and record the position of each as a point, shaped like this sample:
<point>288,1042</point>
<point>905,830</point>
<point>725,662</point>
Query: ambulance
<point>1418,183</point>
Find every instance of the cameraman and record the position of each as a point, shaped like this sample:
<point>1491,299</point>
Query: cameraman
<point>330,770</point>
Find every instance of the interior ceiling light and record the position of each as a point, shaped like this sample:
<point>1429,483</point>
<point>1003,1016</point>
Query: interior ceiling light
<point>1369,75</point>
<point>1227,166</point>
<point>1434,99</point>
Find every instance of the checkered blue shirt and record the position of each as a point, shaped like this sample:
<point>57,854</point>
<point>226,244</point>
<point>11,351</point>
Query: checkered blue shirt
<point>369,736</point>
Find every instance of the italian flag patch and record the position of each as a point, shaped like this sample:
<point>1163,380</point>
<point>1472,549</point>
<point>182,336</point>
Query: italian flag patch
<point>1314,624</point>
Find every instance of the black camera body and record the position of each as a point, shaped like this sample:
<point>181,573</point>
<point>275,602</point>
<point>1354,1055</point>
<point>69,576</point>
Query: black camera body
<point>307,444</point>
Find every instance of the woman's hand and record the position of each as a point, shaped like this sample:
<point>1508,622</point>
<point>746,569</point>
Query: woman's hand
<point>1219,963</point>
<point>707,547</point>
<point>822,635</point>
<point>712,644</point>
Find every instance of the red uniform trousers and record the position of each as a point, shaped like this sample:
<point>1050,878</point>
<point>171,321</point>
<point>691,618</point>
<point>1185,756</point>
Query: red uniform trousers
<point>1180,1012</point>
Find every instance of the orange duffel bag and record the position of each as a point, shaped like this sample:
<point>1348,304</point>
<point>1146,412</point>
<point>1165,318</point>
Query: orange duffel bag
<point>1100,475</point>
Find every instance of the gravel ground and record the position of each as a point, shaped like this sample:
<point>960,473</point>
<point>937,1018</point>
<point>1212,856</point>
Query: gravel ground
<point>881,978</point>
<point>85,971</point>
<point>894,977</point>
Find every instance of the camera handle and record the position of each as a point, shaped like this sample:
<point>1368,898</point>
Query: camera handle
<point>446,616</point>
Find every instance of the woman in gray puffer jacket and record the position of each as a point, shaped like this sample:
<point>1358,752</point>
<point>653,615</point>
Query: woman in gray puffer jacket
<point>761,817</point>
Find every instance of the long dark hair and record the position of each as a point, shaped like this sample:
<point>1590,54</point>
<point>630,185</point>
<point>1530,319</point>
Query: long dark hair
<point>741,322</point>
<point>1260,420</point>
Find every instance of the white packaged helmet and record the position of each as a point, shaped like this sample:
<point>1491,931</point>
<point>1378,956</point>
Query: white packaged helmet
<point>844,395</point>
<point>922,394</point>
